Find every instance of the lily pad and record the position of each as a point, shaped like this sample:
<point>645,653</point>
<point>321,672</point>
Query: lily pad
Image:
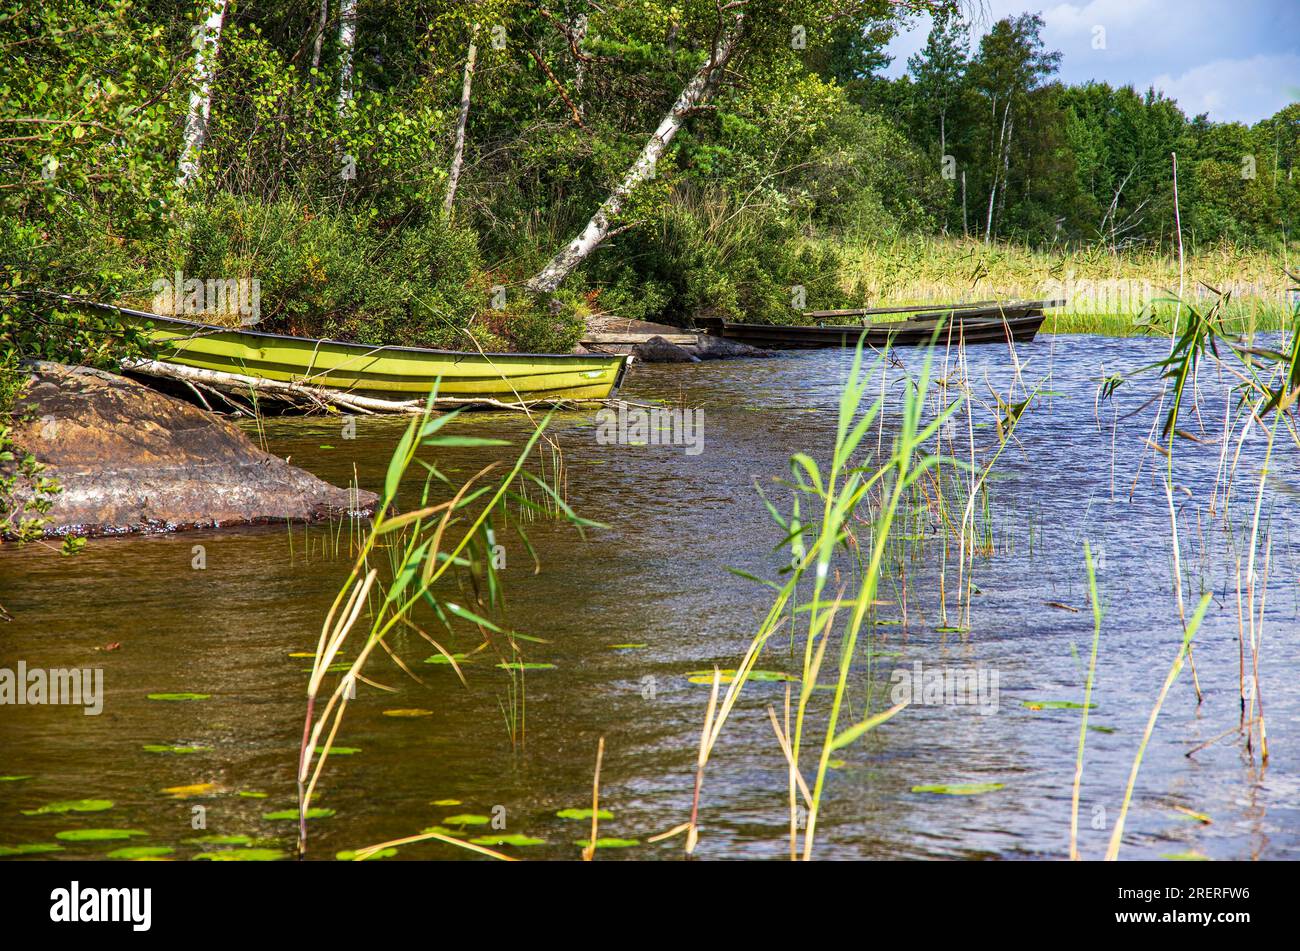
<point>468,819</point>
<point>252,794</point>
<point>291,815</point>
<point>409,713</point>
<point>442,659</point>
<point>180,696</point>
<point>727,676</point>
<point>514,838</point>
<point>221,840</point>
<point>959,789</point>
<point>339,750</point>
<point>584,814</point>
<point>178,750</point>
<point>1101,729</point>
<point>604,843</point>
<point>29,848</point>
<point>628,647</point>
<point>141,852</point>
<point>1185,856</point>
<point>13,779</point>
<point>522,665</point>
<point>350,855</point>
<point>242,855</point>
<point>446,802</point>
<point>97,835</point>
<point>75,805</point>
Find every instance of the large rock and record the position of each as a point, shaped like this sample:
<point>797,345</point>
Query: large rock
<point>659,350</point>
<point>710,347</point>
<point>131,459</point>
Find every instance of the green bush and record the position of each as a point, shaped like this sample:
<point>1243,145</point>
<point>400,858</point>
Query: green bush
<point>334,274</point>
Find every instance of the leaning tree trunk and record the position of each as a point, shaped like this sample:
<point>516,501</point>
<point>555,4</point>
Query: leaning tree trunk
<point>458,154</point>
<point>207,42</point>
<point>347,40</point>
<point>696,93</point>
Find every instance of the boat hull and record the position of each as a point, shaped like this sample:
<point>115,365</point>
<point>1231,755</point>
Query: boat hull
<point>973,326</point>
<point>392,373</point>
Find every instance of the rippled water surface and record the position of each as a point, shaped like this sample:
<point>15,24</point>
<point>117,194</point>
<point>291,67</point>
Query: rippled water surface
<point>658,575</point>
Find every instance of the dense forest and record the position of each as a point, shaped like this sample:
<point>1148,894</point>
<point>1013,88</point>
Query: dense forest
<point>489,174</point>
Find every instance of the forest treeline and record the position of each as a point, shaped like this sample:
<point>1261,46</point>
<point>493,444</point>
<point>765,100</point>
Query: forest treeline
<point>488,174</point>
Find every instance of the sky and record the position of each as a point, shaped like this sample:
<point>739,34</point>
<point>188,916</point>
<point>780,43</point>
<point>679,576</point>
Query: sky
<point>1236,60</point>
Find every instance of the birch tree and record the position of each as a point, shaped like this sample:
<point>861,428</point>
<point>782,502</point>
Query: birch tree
<point>207,43</point>
<point>458,152</point>
<point>696,93</point>
<point>347,42</point>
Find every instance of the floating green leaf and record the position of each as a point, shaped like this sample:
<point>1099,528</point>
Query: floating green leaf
<point>727,676</point>
<point>350,855</point>
<point>409,713</point>
<point>287,815</point>
<point>521,665</point>
<point>514,838</point>
<point>75,805</point>
<point>609,843</point>
<point>13,779</point>
<point>442,659</point>
<point>446,802</point>
<point>628,647</point>
<point>584,814</point>
<point>252,794</point>
<point>468,819</point>
<point>141,852</point>
<point>959,789</point>
<point>339,750</point>
<point>178,750</point>
<point>29,848</point>
<point>97,835</point>
<point>221,840</point>
<point>1185,856</point>
<point>180,696</point>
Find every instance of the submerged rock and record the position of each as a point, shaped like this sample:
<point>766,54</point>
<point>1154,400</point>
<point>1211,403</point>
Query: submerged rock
<point>659,350</point>
<point>131,459</point>
<point>710,347</point>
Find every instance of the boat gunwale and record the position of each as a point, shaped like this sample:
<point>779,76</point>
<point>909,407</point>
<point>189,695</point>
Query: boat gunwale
<point>365,348</point>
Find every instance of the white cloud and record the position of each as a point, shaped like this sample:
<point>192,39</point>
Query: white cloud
<point>1234,60</point>
<point>1235,90</point>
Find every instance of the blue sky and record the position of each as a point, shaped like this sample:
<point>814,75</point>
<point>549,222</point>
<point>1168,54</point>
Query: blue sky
<point>1237,60</point>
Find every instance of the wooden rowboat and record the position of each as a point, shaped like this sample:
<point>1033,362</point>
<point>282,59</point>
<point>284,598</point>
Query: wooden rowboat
<point>983,322</point>
<point>208,354</point>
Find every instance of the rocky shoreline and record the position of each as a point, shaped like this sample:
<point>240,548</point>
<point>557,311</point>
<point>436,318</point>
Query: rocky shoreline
<point>130,459</point>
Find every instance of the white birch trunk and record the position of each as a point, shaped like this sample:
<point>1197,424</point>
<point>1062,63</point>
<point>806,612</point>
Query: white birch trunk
<point>207,43</point>
<point>458,153</point>
<point>579,29</point>
<point>347,41</point>
<point>696,92</point>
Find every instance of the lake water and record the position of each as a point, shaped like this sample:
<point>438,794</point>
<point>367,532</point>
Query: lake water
<point>658,575</point>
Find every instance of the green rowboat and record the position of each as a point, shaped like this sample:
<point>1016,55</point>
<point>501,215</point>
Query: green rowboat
<point>381,372</point>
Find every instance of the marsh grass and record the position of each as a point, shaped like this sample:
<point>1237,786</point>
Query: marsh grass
<point>427,547</point>
<point>1107,293</point>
